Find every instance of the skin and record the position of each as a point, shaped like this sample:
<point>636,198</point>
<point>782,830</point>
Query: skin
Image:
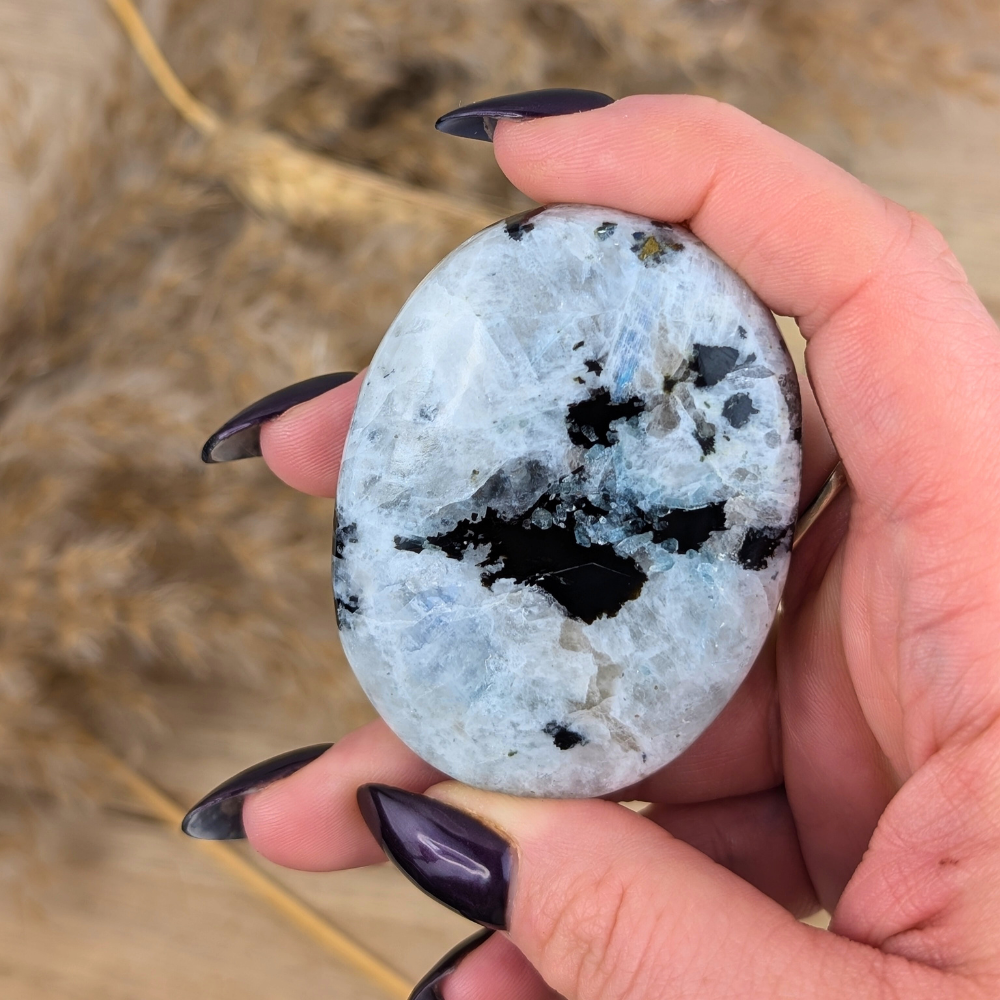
<point>858,768</point>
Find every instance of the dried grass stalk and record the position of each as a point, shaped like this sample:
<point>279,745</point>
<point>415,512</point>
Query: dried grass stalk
<point>300,915</point>
<point>276,178</point>
<point>310,190</point>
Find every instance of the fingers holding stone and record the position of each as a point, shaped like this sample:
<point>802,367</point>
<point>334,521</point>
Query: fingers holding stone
<point>478,120</point>
<point>431,984</point>
<point>486,966</point>
<point>799,229</point>
<point>837,777</point>
<point>239,436</point>
<point>303,446</point>
<point>873,287</point>
<point>219,814</point>
<point>754,836</point>
<point>604,903</point>
<point>496,970</point>
<point>310,821</point>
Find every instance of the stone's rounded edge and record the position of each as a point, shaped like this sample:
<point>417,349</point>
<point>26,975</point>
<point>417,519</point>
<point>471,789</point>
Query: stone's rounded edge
<point>514,231</point>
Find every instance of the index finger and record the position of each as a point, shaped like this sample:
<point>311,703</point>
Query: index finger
<point>874,287</point>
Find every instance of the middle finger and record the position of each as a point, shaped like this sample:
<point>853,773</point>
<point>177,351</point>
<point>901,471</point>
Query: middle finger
<point>310,820</point>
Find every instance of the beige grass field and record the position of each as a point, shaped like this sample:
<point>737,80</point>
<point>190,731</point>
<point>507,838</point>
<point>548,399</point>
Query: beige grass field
<point>180,615</point>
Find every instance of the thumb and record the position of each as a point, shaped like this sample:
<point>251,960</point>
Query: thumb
<point>608,906</point>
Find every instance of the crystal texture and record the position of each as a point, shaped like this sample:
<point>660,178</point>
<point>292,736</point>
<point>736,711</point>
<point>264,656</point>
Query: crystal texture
<point>566,502</point>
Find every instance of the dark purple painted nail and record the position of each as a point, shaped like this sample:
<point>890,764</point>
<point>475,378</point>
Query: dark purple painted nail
<point>428,987</point>
<point>239,436</point>
<point>477,121</point>
<point>219,815</point>
<point>463,864</point>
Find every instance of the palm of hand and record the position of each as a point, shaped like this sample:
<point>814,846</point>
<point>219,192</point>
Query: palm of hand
<point>883,672</point>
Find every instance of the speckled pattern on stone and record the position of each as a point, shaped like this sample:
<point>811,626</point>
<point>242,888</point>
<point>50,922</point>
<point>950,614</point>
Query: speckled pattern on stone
<point>566,502</point>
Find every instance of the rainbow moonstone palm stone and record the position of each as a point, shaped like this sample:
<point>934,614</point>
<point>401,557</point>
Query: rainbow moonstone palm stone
<point>566,502</point>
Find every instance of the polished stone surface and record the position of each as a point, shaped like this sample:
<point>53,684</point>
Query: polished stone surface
<point>566,501</point>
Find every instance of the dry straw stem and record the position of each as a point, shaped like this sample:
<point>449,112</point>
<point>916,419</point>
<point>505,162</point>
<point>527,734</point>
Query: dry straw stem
<point>307,920</point>
<point>277,178</point>
<point>193,111</point>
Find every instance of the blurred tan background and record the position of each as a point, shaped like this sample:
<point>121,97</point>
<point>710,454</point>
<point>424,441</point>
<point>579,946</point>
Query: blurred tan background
<point>178,615</point>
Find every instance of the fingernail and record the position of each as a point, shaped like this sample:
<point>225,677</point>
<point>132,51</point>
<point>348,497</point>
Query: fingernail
<point>219,815</point>
<point>239,436</point>
<point>428,987</point>
<point>477,121</point>
<point>454,858</point>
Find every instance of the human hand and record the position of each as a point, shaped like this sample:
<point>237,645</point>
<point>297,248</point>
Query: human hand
<point>858,767</point>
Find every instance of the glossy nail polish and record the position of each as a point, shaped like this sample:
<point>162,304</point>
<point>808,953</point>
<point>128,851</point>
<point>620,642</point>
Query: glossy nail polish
<point>429,988</point>
<point>239,437</point>
<point>219,815</point>
<point>478,120</point>
<point>454,858</point>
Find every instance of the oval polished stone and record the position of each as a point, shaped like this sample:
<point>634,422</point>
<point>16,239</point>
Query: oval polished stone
<point>566,502</point>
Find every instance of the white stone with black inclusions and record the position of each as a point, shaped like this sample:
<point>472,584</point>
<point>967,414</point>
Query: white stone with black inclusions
<point>566,502</point>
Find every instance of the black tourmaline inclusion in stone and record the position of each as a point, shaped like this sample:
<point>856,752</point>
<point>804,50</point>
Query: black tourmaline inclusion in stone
<point>563,737</point>
<point>713,364</point>
<point>589,421</point>
<point>759,544</point>
<point>548,544</point>
<point>689,528</point>
<point>589,581</point>
<point>346,606</point>
<point>738,409</point>
<point>518,225</point>
<point>343,536</point>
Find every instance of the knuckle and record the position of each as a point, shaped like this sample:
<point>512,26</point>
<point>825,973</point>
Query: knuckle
<point>923,235</point>
<point>596,936</point>
<point>919,247</point>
